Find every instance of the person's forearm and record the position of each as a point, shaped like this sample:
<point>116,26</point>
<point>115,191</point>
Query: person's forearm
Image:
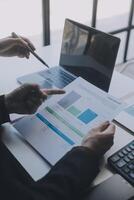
<point>71,176</point>
<point>4,116</point>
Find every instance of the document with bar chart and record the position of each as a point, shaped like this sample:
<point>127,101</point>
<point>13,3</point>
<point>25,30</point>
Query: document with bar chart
<point>126,117</point>
<point>64,120</point>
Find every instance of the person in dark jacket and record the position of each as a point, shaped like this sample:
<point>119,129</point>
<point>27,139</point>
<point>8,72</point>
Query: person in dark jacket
<point>74,173</point>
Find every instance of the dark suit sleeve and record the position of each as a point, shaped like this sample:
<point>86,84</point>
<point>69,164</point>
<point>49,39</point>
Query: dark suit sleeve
<point>70,177</point>
<point>67,180</point>
<point>4,116</point>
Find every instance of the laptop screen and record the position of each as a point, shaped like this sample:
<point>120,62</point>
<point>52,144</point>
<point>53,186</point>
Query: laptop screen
<point>89,53</point>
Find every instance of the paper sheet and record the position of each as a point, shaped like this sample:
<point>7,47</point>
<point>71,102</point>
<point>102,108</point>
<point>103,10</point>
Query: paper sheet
<point>64,120</point>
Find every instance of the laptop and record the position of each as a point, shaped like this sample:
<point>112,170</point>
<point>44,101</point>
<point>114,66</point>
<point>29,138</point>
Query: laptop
<point>85,52</point>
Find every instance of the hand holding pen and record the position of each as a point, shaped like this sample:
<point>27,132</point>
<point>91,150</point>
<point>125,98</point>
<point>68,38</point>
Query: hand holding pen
<point>12,46</point>
<point>29,47</point>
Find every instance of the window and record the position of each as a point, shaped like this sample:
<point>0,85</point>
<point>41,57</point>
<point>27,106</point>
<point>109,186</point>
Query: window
<point>112,15</point>
<point>106,15</point>
<point>133,19</point>
<point>120,55</point>
<point>77,10</point>
<point>130,54</point>
<point>23,17</point>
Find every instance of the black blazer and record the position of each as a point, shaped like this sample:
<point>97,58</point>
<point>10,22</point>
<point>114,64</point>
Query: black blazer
<point>67,180</point>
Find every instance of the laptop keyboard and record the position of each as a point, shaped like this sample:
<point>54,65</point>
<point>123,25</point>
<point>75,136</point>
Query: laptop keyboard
<point>58,77</point>
<point>123,162</point>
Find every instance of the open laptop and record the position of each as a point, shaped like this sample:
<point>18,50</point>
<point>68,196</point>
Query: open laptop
<point>85,52</point>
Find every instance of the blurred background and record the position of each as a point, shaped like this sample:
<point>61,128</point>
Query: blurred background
<point>43,21</point>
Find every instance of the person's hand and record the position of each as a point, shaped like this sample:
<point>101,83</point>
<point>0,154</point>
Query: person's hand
<point>11,46</point>
<point>27,98</point>
<point>100,139</point>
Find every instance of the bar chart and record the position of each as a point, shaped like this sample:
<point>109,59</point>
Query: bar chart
<point>68,102</point>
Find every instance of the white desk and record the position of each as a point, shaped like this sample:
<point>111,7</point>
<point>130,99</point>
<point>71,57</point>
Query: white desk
<point>10,69</point>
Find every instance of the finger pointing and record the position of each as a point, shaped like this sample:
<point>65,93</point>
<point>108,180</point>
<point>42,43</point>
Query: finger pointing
<point>53,91</point>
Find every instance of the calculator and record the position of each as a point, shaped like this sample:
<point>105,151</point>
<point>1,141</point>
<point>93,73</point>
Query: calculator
<point>123,162</point>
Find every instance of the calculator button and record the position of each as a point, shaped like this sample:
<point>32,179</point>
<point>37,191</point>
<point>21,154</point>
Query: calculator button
<point>126,169</point>
<point>128,149</point>
<point>121,154</point>
<point>120,163</point>
<point>131,156</point>
<point>131,166</point>
<point>127,159</point>
<point>131,174</point>
<point>124,152</point>
<point>132,146</point>
<point>115,158</point>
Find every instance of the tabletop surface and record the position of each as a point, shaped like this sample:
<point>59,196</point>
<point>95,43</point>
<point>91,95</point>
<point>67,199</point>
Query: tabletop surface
<point>11,68</point>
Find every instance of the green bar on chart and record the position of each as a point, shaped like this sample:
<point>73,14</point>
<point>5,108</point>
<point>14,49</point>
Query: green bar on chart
<point>57,116</point>
<point>74,111</point>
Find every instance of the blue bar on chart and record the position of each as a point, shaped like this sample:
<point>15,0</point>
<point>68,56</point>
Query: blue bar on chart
<point>69,99</point>
<point>87,116</point>
<point>53,128</point>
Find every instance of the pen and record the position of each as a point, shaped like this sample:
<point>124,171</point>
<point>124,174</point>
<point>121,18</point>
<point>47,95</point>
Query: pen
<point>32,52</point>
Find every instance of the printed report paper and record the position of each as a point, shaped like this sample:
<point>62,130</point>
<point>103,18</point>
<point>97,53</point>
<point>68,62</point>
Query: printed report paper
<point>64,120</point>
<point>126,117</point>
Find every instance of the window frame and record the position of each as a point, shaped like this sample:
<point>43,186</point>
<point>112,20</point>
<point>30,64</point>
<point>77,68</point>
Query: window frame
<point>128,28</point>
